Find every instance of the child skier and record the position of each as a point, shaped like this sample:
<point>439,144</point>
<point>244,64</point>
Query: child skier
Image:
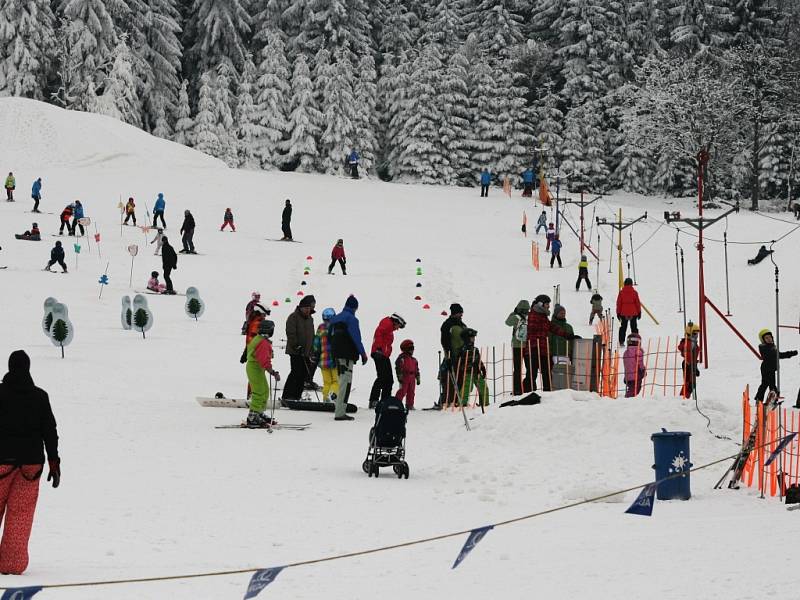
<point>470,370</point>
<point>322,355</point>
<point>228,220</point>
<point>542,222</point>
<point>633,361</point>
<point>550,236</point>
<point>130,212</point>
<point>66,216</point>
<point>689,348</point>
<point>158,240</point>
<point>597,307</point>
<point>33,234</point>
<point>555,250</point>
<point>407,369</point>
<point>337,254</point>
<point>583,273</point>
<point>57,256</point>
<point>10,185</point>
<point>154,285</point>
<point>259,360</point>
<point>769,362</point>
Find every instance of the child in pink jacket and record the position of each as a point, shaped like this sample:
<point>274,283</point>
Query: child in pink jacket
<point>633,361</point>
<point>154,285</point>
<point>407,373</point>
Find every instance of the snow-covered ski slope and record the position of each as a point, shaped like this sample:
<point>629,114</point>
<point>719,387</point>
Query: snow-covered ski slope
<point>151,488</point>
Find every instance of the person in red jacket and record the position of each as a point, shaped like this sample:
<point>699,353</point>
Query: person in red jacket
<point>381,351</point>
<point>539,330</point>
<point>629,309</point>
<point>337,254</point>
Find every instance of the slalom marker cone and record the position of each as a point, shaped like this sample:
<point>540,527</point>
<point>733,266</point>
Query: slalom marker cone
<point>288,299</point>
<point>417,297</point>
<point>309,258</point>
<point>300,293</point>
<point>426,306</point>
<point>276,303</point>
<point>302,283</point>
<point>443,313</point>
<point>419,284</point>
<point>419,260</point>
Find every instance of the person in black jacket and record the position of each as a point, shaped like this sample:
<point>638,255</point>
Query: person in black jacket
<point>187,229</point>
<point>57,256</point>
<point>27,425</point>
<point>169,262</point>
<point>446,388</point>
<point>769,363</point>
<point>286,222</point>
<point>762,254</point>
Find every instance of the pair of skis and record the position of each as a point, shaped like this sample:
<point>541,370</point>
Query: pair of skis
<point>289,426</point>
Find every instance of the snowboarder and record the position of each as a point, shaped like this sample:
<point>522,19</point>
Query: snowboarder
<point>299,341</point>
<point>518,321</point>
<point>353,161</point>
<point>169,262</point>
<point>689,349</point>
<point>66,216</point>
<point>550,235</point>
<point>337,254</point>
<point>407,369</point>
<point>10,185</point>
<point>542,222</point>
<point>629,309</point>
<point>555,252</point>
<point>486,179</point>
<point>154,285</point>
<point>130,212</point>
<point>769,363</point>
<point>762,254</point>
<point>27,425</point>
<point>158,240</point>
<point>228,220</point>
<point>57,256</point>
<point>187,229</point>
<point>36,194</point>
<point>77,215</point>
<point>597,307</point>
<point>259,360</point>
<point>451,345</point>
<point>322,355</point>
<point>381,352</point>
<point>347,347</point>
<point>158,210</point>
<point>537,346</point>
<point>471,370</point>
<point>286,222</point>
<point>527,183</point>
<point>633,362</point>
<point>33,234</point>
<point>583,273</point>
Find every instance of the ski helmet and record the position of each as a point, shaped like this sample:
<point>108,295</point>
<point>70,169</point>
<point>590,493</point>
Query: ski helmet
<point>36,225</point>
<point>762,334</point>
<point>328,314</point>
<point>266,328</point>
<point>692,329</point>
<point>634,338</point>
<point>401,322</point>
<point>407,345</point>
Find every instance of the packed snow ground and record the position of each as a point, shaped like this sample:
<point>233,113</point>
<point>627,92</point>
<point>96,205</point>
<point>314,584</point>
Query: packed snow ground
<point>151,488</point>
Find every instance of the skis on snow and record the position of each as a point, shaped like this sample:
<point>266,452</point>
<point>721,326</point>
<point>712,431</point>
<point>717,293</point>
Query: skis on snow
<point>290,426</point>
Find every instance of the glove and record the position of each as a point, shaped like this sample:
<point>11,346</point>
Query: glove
<point>276,375</point>
<point>377,353</point>
<point>793,353</point>
<point>639,316</point>
<point>417,379</point>
<point>54,474</point>
<point>364,358</point>
<point>243,357</point>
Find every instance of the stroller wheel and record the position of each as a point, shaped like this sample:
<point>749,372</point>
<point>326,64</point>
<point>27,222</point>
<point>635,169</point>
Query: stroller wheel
<point>398,469</point>
<point>365,467</point>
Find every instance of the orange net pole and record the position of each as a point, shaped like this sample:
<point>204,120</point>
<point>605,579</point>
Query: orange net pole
<point>503,368</point>
<point>760,444</point>
<point>647,367</point>
<point>773,436</point>
<point>615,386</point>
<point>666,367</point>
<point>675,370</point>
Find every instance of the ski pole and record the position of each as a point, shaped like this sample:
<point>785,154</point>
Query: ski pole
<point>274,383</point>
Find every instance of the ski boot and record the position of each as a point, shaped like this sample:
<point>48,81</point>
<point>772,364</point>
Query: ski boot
<point>257,420</point>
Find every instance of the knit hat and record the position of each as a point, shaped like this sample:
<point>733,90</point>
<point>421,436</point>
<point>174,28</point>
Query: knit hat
<point>558,309</point>
<point>628,281</point>
<point>456,309</point>
<point>406,345</point>
<point>351,302</point>
<point>307,301</point>
<point>19,362</point>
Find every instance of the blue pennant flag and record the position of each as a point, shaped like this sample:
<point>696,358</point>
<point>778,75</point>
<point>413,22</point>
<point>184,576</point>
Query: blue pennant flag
<point>261,579</point>
<point>475,536</point>
<point>643,505</point>
<point>21,593</point>
<point>779,448</point>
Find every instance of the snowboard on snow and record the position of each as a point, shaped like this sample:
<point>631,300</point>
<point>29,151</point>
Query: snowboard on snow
<point>223,402</point>
<point>315,406</point>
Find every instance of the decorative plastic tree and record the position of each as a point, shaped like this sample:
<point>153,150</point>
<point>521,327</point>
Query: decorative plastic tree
<point>194,307</point>
<point>47,319</point>
<point>61,331</point>
<point>127,314</point>
<point>142,317</point>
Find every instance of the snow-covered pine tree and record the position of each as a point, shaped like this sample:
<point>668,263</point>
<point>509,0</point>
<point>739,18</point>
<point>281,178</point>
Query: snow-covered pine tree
<point>366,118</point>
<point>272,102</point>
<point>455,124</point>
<point>226,134</point>
<point>305,120</point>
<point>27,48</point>
<point>338,111</point>
<point>220,29</point>
<point>248,131</point>
<point>393,94</point>
<point>162,128</point>
<point>443,27</point>
<point>184,125</point>
<point>119,99</point>
<point>548,119</point>
<point>395,36</point>
<point>633,163</point>
<point>583,157</point>
<point>697,26</point>
<point>340,24</point>
<point>498,27</point>
<point>205,123</point>
<point>298,20</point>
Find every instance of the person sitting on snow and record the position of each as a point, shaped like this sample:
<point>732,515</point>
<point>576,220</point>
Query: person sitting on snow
<point>154,285</point>
<point>762,254</point>
<point>33,234</point>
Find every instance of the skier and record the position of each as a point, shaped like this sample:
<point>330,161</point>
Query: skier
<point>337,254</point>
<point>555,252</point>
<point>10,185</point>
<point>130,212</point>
<point>689,349</point>
<point>57,256</point>
<point>762,254</point>
<point>407,369</point>
<point>527,183</point>
<point>158,210</point>
<point>486,179</point>
<point>583,273</point>
<point>66,216</point>
<point>228,220</point>
<point>299,341</point>
<point>36,194</point>
<point>322,355</point>
<point>154,285</point>
<point>33,234</point>
<point>353,161</point>
<point>255,301</point>
<point>347,347</point>
<point>451,344</point>
<point>77,215</point>
<point>250,330</point>
<point>169,262</point>
<point>158,240</point>
<point>542,222</point>
<point>518,321</point>
<point>633,361</point>
<point>629,309</point>
<point>550,235</point>
<point>286,222</point>
<point>27,425</point>
<point>381,352</point>
<point>187,229</point>
<point>597,307</point>
<point>471,370</point>
<point>537,346</point>
<point>769,363</point>
<point>259,360</point>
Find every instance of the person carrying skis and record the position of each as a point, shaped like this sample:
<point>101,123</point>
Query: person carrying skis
<point>629,309</point>
<point>689,349</point>
<point>555,252</point>
<point>259,360</point>
<point>583,273</point>
<point>762,254</point>
<point>158,240</point>
<point>322,355</point>
<point>158,210</point>
<point>518,321</point>
<point>57,256</point>
<point>633,362</point>
<point>154,285</point>
<point>486,180</point>
<point>27,429</point>
<point>10,185</point>
<point>286,222</point>
<point>227,219</point>
<point>66,216</point>
<point>337,255</point>
<point>381,352</point>
<point>541,223</point>
<point>769,363</point>
<point>407,369</point>
<point>471,370</point>
<point>347,347</point>
<point>36,194</point>
<point>597,307</point>
<point>527,183</point>
<point>299,340</point>
<point>130,212</point>
<point>187,229</point>
<point>77,215</point>
<point>169,262</point>
<point>353,161</point>
<point>549,236</point>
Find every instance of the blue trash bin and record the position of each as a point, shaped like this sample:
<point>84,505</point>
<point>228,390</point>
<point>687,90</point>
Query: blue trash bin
<point>671,449</point>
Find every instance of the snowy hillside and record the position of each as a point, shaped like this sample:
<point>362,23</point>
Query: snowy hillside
<point>151,488</point>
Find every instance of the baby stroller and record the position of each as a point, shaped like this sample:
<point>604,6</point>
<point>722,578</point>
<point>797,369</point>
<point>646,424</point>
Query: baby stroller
<point>387,439</point>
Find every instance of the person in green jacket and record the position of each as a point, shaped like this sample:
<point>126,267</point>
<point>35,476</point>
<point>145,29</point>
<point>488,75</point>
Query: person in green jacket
<point>471,371</point>
<point>10,185</point>
<point>560,344</point>
<point>518,321</point>
<point>259,360</point>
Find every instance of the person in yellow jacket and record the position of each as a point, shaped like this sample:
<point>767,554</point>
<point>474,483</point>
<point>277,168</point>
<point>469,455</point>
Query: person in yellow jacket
<point>583,273</point>
<point>10,185</point>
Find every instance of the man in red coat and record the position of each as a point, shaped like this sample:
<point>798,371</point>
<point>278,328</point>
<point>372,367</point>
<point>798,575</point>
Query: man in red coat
<point>381,351</point>
<point>629,309</point>
<point>539,330</point>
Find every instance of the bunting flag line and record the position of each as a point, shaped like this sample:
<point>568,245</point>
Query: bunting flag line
<point>779,448</point>
<point>22,593</point>
<point>643,505</point>
<point>475,536</point>
<point>261,579</point>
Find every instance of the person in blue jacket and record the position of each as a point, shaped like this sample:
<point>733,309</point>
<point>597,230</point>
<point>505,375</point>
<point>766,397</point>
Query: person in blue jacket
<point>542,222</point>
<point>555,249</point>
<point>527,182</point>
<point>158,210</point>
<point>353,161</point>
<point>486,179</point>
<point>36,194</point>
<point>347,346</point>
<point>77,215</point>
